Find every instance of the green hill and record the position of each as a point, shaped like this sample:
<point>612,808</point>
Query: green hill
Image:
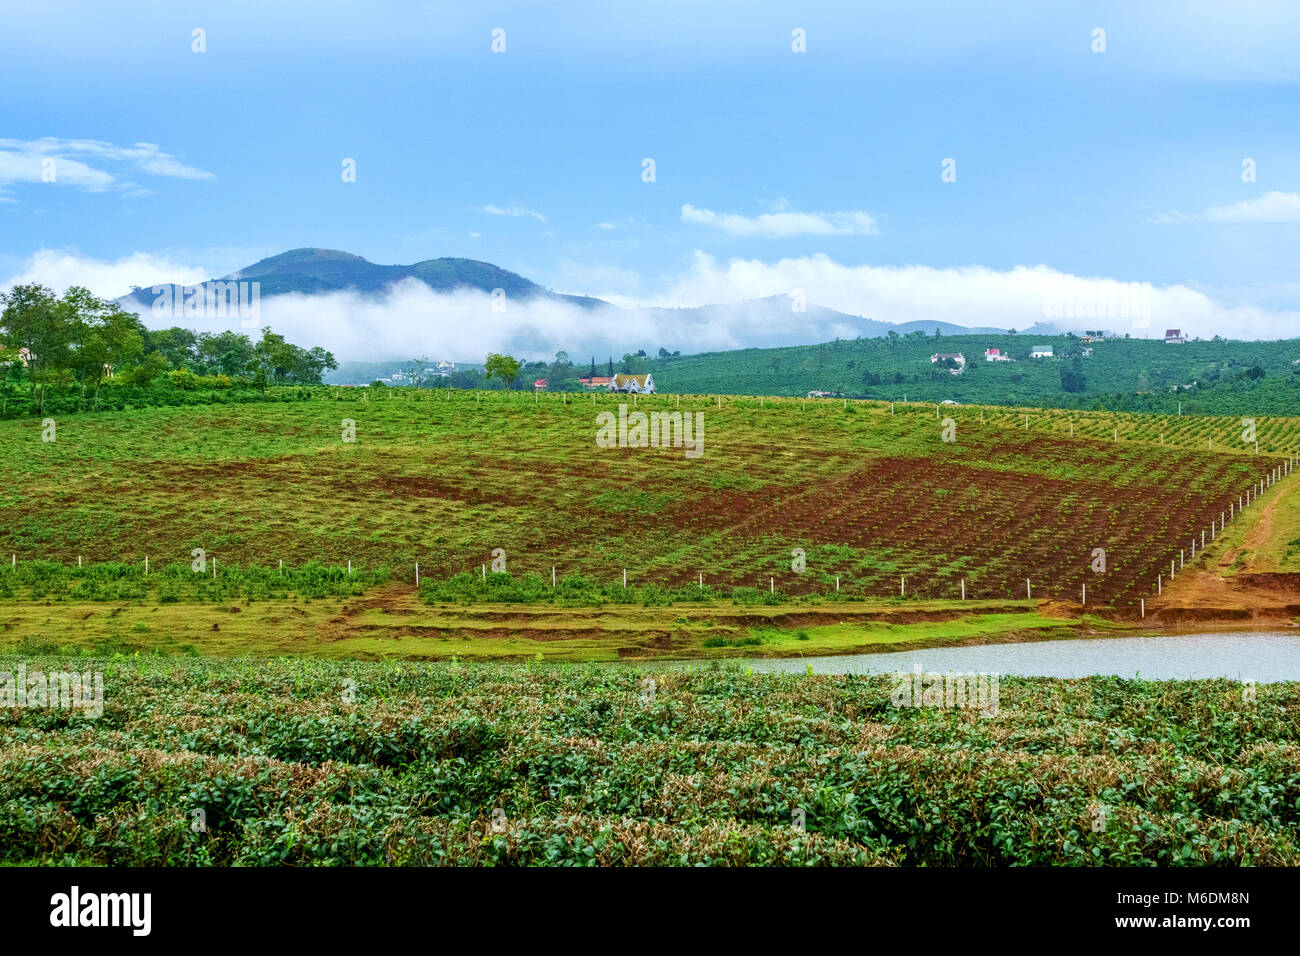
<point>1218,376</point>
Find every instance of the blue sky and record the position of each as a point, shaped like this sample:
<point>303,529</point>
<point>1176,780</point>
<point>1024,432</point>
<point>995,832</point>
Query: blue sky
<point>773,168</point>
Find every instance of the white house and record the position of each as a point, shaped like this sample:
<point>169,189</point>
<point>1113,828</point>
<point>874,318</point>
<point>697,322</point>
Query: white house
<point>957,358</point>
<point>1174,337</point>
<point>995,355</point>
<point>633,384</point>
<point>1041,351</point>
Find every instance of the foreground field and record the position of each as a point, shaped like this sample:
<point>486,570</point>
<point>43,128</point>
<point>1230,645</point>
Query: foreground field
<point>875,498</point>
<point>197,762</point>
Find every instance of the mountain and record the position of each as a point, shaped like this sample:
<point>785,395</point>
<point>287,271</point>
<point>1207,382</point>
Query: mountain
<point>814,316</point>
<point>315,271</point>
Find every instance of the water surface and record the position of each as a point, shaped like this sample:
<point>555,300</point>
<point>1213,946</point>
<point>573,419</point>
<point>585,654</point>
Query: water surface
<point>1242,655</point>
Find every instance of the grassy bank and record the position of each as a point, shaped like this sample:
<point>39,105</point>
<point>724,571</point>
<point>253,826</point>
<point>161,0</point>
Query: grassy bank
<point>395,622</point>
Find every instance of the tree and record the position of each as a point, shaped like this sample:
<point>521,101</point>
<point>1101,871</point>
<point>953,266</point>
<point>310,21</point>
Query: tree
<point>592,373</point>
<point>415,370</point>
<point>9,360</point>
<point>1072,378</point>
<point>226,353</point>
<point>310,364</point>
<point>611,367</point>
<point>504,367</point>
<point>179,346</point>
<point>559,371</point>
<point>149,368</point>
<point>103,339</point>
<point>663,353</point>
<point>271,360</point>
<point>35,320</point>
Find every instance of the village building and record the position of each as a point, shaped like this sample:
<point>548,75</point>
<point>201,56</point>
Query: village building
<point>1041,351</point>
<point>596,381</point>
<point>955,357</point>
<point>633,384</point>
<point>995,355</point>
<point>1174,337</point>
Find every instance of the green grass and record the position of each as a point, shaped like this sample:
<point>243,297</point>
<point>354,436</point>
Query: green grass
<point>847,638</point>
<point>401,626</point>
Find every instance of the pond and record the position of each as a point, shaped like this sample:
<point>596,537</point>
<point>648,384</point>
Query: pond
<point>1242,655</point>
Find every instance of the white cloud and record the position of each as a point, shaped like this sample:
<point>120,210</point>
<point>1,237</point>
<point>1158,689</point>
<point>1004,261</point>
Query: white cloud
<point>967,296</point>
<point>1270,207</point>
<point>81,162</point>
<point>513,211</point>
<point>782,224</point>
<point>411,319</point>
<point>106,279</point>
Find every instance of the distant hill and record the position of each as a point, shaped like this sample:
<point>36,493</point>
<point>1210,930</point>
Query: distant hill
<point>316,271</point>
<point>814,315</point>
<point>1221,376</point>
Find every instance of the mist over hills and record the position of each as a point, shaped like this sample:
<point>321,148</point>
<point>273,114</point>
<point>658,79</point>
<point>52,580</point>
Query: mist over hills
<point>445,307</point>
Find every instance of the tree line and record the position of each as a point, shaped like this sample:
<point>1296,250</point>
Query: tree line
<point>78,343</point>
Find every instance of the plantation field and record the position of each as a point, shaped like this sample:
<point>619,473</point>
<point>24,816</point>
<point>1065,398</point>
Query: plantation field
<point>300,762</point>
<point>869,491</point>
